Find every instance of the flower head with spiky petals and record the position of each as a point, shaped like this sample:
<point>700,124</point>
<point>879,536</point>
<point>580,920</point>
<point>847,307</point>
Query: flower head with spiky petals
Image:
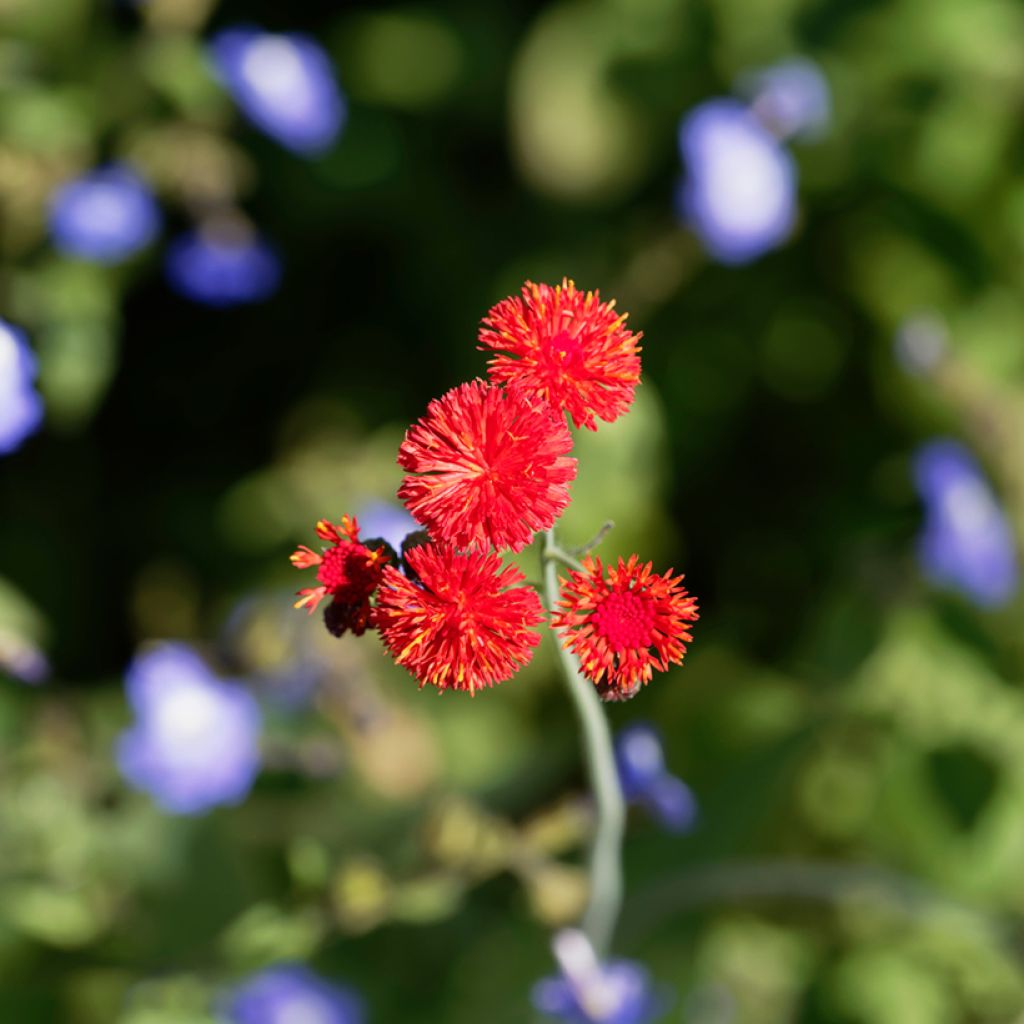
<point>625,626</point>
<point>347,571</point>
<point>468,623</point>
<point>492,467</point>
<point>567,347</point>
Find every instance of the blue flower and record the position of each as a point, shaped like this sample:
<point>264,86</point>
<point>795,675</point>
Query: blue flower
<point>195,740</point>
<point>589,992</point>
<point>105,216</point>
<point>292,994</point>
<point>222,268</point>
<point>792,99</point>
<point>22,659</point>
<point>388,521</point>
<point>21,408</point>
<point>739,189</point>
<point>645,780</point>
<point>966,543</point>
<point>284,84</point>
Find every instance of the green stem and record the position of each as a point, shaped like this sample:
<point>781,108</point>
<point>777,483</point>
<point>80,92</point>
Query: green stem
<point>585,549</point>
<point>553,553</point>
<point>808,881</point>
<point>605,863</point>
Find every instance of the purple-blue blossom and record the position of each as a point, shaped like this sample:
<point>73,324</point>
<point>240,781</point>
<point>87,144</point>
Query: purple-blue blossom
<point>589,992</point>
<point>105,216</point>
<point>21,407</point>
<point>738,191</point>
<point>645,780</point>
<point>292,994</point>
<point>195,740</point>
<point>284,84</point>
<point>791,99</point>
<point>386,520</point>
<point>22,659</point>
<point>966,542</point>
<point>222,266</point>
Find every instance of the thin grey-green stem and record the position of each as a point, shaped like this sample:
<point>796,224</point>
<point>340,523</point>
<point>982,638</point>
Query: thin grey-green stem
<point>585,549</point>
<point>553,553</point>
<point>605,861</point>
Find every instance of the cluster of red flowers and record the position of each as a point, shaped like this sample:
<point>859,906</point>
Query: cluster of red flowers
<point>488,467</point>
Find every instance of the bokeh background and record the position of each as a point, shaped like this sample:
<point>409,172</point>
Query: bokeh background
<point>851,716</point>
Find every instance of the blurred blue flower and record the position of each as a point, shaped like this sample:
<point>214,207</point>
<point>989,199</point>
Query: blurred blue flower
<point>738,192</point>
<point>292,994</point>
<point>104,216</point>
<point>645,779</point>
<point>222,267</point>
<point>387,520</point>
<point>588,992</point>
<point>21,408</point>
<point>966,542</point>
<point>792,99</point>
<point>22,659</point>
<point>195,740</point>
<point>284,84</point>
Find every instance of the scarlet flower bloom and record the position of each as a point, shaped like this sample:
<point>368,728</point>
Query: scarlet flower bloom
<point>494,467</point>
<point>467,624</point>
<point>348,572</point>
<point>623,627</point>
<point>567,347</point>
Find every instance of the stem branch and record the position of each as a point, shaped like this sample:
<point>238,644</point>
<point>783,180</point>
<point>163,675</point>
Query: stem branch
<point>553,553</point>
<point>605,862</point>
<point>585,549</point>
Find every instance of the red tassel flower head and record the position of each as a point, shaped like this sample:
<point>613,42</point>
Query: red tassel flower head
<point>468,623</point>
<point>626,625</point>
<point>492,467</point>
<point>347,571</point>
<point>566,347</point>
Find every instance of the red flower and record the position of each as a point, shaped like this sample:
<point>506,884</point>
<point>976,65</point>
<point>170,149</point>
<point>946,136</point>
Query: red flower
<point>465,625</point>
<point>348,572</point>
<point>494,467</point>
<point>566,347</point>
<point>624,627</point>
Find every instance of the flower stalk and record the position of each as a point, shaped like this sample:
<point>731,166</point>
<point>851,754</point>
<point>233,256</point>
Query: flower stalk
<point>605,857</point>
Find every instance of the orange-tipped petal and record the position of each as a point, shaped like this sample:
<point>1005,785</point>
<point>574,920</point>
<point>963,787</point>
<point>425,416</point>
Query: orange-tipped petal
<point>310,598</point>
<point>327,531</point>
<point>304,558</point>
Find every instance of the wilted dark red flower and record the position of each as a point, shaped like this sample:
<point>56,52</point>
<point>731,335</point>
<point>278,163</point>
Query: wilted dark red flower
<point>465,625</point>
<point>493,467</point>
<point>623,627</point>
<point>567,347</point>
<point>348,572</point>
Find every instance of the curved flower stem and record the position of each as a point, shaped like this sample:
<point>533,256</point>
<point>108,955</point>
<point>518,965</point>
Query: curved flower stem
<point>585,549</point>
<point>553,553</point>
<point>605,863</point>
